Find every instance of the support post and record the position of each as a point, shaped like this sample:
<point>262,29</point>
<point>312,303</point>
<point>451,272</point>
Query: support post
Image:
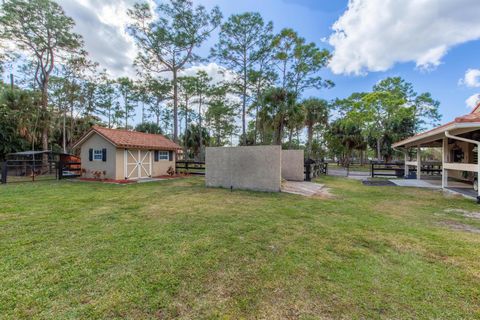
<point>419,164</point>
<point>60,165</point>
<point>4,172</point>
<point>406,174</point>
<point>444,160</point>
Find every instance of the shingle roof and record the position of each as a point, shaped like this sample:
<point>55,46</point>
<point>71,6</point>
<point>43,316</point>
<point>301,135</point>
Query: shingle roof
<point>132,139</point>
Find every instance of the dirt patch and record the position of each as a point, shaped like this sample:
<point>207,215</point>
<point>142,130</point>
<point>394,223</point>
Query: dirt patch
<point>465,213</point>
<point>457,226</point>
<point>306,189</point>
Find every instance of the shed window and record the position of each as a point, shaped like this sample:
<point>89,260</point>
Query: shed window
<point>98,155</point>
<point>162,155</point>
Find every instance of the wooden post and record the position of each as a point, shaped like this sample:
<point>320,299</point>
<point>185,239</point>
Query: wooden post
<point>444,160</point>
<point>419,164</point>
<point>60,170</point>
<point>406,173</point>
<point>307,172</point>
<point>4,172</point>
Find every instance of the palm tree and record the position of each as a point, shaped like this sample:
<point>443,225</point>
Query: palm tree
<point>193,134</point>
<point>295,121</point>
<point>316,113</point>
<point>276,104</point>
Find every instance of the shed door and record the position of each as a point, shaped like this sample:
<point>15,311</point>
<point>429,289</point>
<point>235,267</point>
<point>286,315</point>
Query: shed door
<point>138,164</point>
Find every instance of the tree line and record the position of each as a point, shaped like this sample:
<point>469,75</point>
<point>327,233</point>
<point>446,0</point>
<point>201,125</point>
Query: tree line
<point>59,93</point>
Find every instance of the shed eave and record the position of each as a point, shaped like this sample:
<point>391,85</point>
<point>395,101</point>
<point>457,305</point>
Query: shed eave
<point>431,135</point>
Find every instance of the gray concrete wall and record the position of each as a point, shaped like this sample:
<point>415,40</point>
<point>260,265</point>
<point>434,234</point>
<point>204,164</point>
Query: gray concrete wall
<point>251,168</point>
<point>292,165</point>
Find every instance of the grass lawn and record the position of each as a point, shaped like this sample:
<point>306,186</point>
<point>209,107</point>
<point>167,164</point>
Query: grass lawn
<point>353,167</point>
<point>175,249</point>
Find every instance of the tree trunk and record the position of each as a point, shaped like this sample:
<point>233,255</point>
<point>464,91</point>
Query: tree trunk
<point>185,150</point>
<point>64,129</point>
<point>46,121</point>
<point>309,140</point>
<point>175,106</point>
<point>279,134</point>
<point>200,127</point>
<point>158,113</point>
<point>72,107</point>
<point>244,108</point>
<point>110,117</point>
<point>290,138</point>
<point>379,149</point>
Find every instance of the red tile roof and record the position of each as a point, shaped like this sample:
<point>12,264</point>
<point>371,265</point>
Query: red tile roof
<point>132,139</point>
<point>472,117</point>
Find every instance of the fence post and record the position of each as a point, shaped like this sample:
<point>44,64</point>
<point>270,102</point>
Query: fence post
<point>307,172</point>
<point>372,169</point>
<point>4,172</point>
<point>186,166</point>
<point>60,170</point>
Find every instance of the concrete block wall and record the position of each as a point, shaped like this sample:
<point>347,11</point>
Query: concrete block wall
<point>293,165</point>
<point>256,168</point>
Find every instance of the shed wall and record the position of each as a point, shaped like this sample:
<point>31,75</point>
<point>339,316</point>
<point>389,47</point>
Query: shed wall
<point>293,165</point>
<point>160,167</point>
<point>95,141</point>
<point>251,168</point>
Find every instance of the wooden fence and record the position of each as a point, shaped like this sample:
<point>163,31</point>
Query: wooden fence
<point>314,169</point>
<point>35,170</point>
<point>190,167</point>
<point>397,169</point>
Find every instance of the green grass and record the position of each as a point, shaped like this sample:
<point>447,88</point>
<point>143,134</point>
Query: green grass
<point>353,167</point>
<point>175,249</point>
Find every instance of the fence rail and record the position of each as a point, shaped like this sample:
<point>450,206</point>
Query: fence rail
<point>314,169</point>
<point>190,167</point>
<point>12,171</point>
<point>397,169</point>
<point>28,171</point>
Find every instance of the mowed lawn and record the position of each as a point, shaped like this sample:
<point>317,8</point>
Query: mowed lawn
<point>175,249</point>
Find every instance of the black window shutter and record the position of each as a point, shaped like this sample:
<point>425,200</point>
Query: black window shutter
<point>156,156</point>
<point>170,155</point>
<point>90,154</point>
<point>104,155</point>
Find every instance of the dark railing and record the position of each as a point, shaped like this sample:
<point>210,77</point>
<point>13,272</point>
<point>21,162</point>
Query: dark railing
<point>314,169</point>
<point>397,169</point>
<point>383,169</point>
<point>35,170</point>
<point>191,167</point>
<point>28,171</point>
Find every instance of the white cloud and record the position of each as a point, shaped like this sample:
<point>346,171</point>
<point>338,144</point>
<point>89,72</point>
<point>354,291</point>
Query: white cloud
<point>214,71</point>
<point>471,78</point>
<point>374,35</point>
<point>473,101</point>
<point>103,27</point>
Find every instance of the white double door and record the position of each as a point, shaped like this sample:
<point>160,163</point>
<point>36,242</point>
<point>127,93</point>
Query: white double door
<point>138,164</point>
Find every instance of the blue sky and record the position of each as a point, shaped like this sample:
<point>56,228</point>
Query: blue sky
<point>431,43</point>
<point>313,20</point>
